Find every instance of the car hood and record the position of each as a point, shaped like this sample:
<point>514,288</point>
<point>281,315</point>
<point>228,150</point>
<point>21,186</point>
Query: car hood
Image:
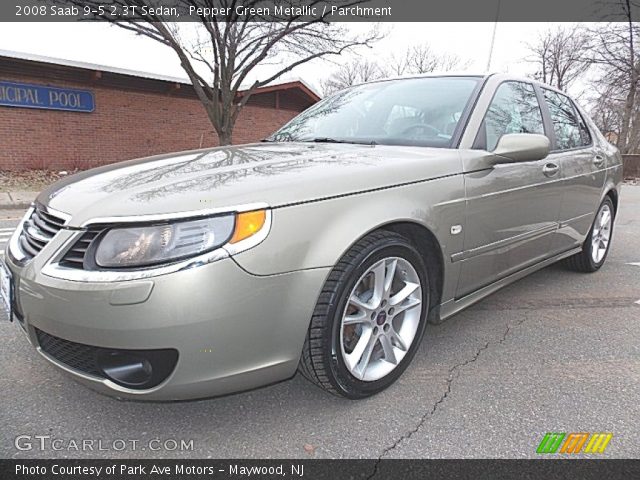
<point>277,174</point>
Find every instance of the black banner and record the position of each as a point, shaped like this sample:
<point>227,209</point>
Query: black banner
<point>327,10</point>
<point>319,469</point>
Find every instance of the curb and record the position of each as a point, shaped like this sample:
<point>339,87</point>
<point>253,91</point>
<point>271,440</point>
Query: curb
<point>15,206</point>
<point>16,199</point>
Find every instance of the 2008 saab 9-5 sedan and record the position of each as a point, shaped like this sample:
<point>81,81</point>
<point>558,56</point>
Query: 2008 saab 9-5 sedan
<point>324,249</point>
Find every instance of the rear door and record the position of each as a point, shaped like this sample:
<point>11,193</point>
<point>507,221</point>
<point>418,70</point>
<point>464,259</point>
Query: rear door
<point>582,166</point>
<point>512,209</point>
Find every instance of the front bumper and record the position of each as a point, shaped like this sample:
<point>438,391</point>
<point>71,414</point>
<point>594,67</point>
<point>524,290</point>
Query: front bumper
<point>232,330</point>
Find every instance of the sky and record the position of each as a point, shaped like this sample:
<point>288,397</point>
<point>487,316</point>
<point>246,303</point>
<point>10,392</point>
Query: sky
<point>109,45</point>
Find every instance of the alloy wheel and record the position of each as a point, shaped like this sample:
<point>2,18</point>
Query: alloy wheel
<point>601,234</point>
<point>381,318</point>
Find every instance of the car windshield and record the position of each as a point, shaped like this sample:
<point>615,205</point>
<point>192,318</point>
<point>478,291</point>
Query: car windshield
<point>416,112</point>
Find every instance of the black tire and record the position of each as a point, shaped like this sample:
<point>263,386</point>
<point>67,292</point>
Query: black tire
<point>319,363</point>
<point>583,261</point>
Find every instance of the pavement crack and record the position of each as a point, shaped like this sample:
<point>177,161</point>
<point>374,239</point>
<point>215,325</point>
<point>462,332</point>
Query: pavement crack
<point>454,373</point>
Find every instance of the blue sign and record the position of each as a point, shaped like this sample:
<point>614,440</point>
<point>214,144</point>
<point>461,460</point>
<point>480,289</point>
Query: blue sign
<point>48,98</point>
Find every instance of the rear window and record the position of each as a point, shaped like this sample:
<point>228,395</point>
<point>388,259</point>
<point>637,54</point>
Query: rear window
<point>568,126</point>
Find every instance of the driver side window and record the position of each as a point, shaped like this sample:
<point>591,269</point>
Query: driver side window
<point>514,109</point>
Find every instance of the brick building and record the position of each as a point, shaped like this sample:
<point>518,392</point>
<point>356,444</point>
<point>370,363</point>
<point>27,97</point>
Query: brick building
<point>58,114</point>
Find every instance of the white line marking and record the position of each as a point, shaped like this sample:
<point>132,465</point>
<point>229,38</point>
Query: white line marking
<point>7,229</point>
<point>636,264</point>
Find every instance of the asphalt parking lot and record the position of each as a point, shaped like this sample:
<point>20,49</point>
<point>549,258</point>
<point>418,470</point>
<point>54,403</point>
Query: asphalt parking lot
<point>556,352</point>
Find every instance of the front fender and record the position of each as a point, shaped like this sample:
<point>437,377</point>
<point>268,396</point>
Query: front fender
<point>317,234</point>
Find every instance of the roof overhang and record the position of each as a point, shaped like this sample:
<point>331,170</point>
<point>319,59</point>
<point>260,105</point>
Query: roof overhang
<point>175,82</point>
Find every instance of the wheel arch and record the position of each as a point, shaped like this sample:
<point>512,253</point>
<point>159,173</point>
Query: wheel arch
<point>429,248</point>
<point>427,244</point>
<point>612,193</point>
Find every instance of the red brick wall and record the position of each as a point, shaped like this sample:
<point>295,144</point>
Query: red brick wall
<point>125,124</point>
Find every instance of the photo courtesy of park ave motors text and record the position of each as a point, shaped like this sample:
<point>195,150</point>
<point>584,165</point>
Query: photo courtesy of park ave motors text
<point>310,235</point>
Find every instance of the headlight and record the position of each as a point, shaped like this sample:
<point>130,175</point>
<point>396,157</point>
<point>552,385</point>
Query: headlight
<point>158,244</point>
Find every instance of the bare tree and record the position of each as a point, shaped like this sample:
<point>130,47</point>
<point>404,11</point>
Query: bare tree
<point>619,66</point>
<point>561,56</point>
<point>607,109</point>
<point>220,55</point>
<point>422,59</point>
<point>352,73</point>
<point>414,60</point>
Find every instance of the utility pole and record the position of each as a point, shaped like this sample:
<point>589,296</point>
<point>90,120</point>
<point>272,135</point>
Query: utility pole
<point>493,37</point>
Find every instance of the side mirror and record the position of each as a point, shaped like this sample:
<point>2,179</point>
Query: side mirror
<point>521,147</point>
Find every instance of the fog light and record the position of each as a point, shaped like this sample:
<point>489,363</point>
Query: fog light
<point>126,369</point>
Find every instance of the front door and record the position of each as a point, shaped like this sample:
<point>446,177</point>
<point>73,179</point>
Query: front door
<point>512,209</point>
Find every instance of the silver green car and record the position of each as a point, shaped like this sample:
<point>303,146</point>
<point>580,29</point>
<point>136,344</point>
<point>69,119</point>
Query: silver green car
<point>325,249</point>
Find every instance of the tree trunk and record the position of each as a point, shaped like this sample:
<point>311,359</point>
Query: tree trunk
<point>222,124</point>
<point>629,104</point>
<point>225,138</point>
<point>225,130</point>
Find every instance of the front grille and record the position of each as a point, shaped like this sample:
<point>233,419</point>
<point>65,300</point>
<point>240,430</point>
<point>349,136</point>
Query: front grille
<point>75,355</point>
<point>37,231</point>
<point>75,256</point>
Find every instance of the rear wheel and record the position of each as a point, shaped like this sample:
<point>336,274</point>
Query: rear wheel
<point>369,318</point>
<point>596,247</point>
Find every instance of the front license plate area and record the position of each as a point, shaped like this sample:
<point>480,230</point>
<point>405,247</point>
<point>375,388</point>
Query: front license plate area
<point>6,290</point>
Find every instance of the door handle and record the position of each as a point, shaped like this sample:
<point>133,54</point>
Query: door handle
<point>550,169</point>
<point>598,160</point>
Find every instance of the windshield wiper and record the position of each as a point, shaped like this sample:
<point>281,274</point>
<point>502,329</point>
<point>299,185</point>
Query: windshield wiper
<point>327,140</point>
<point>335,140</point>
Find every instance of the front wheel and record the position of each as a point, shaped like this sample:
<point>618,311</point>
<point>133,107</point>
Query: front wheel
<point>369,318</point>
<point>596,247</point>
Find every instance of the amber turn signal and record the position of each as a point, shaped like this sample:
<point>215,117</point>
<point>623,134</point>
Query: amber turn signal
<point>247,224</point>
